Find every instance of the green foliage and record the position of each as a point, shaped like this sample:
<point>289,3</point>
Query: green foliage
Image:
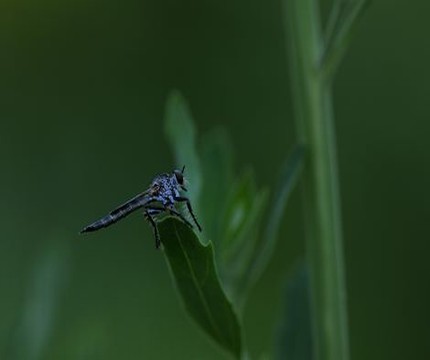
<point>240,213</point>
<point>286,183</point>
<point>242,219</point>
<point>343,18</point>
<point>36,325</point>
<point>314,57</point>
<point>217,172</point>
<point>193,268</point>
<point>232,209</point>
<point>294,340</point>
<point>181,134</point>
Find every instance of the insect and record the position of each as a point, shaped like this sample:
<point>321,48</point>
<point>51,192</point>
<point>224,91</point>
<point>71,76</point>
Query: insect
<point>160,198</point>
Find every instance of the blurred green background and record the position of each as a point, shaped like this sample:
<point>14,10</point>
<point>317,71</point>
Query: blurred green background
<point>82,91</point>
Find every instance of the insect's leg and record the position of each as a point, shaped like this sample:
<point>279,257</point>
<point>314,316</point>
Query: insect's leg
<point>190,209</point>
<point>179,215</point>
<point>148,215</point>
<point>155,210</point>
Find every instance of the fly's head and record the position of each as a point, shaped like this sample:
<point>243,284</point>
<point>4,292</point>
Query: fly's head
<point>168,185</point>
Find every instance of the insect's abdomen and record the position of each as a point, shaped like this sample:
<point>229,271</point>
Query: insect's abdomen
<point>103,222</point>
<point>117,214</point>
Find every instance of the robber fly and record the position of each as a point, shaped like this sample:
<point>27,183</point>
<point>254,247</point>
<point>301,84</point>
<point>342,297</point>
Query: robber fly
<point>159,198</point>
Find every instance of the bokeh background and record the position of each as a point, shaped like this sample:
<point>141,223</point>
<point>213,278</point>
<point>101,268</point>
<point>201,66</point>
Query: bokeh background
<point>83,86</point>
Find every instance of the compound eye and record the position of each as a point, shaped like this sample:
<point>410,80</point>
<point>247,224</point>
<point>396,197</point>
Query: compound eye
<point>179,177</point>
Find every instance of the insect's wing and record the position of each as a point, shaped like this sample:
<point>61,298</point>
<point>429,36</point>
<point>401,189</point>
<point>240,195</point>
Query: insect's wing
<point>119,213</point>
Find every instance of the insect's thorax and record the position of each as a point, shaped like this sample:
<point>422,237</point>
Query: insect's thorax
<point>165,189</point>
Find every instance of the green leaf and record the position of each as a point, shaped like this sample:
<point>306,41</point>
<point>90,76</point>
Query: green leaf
<point>180,132</point>
<point>217,172</point>
<point>343,18</point>
<point>294,340</point>
<point>239,259</point>
<point>287,179</point>
<point>239,215</point>
<point>36,323</point>
<point>242,221</point>
<point>193,269</point>
<point>241,246</point>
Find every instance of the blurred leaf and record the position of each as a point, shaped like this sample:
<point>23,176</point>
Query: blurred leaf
<point>242,224</point>
<point>217,168</point>
<point>44,289</point>
<point>295,332</point>
<point>286,182</point>
<point>180,131</point>
<point>240,220</point>
<point>193,268</point>
<point>343,18</point>
<point>242,247</point>
<point>237,213</point>
<point>238,266</point>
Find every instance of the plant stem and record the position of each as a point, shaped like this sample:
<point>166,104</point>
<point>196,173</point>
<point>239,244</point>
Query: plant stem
<point>314,118</point>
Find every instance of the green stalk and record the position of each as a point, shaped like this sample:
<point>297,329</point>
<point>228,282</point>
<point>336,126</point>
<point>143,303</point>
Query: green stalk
<point>314,118</point>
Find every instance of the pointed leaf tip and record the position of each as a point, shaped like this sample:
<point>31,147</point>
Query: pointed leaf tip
<point>193,269</point>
